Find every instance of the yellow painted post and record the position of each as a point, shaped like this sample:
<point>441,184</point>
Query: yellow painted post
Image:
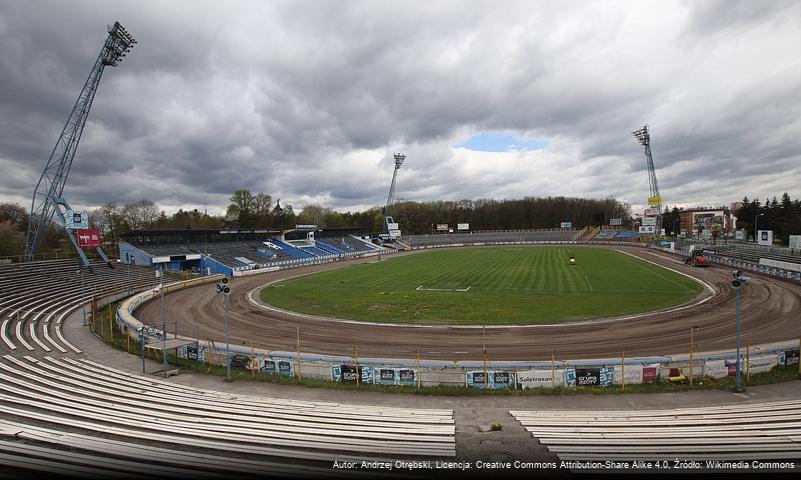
<point>747,363</point>
<point>300,362</point>
<point>210,346</point>
<point>254,362</point>
<point>358,374</point>
<point>692,328</point>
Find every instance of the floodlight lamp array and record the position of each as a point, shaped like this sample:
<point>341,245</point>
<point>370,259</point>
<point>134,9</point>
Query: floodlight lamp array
<point>642,135</point>
<point>118,44</point>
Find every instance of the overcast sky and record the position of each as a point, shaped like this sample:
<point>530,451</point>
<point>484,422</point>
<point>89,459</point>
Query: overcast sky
<point>308,100</point>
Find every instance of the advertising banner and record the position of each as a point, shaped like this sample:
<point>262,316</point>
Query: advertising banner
<point>191,352</point>
<point>631,373</point>
<point>615,222</point>
<point>89,238</point>
<point>763,363</point>
<point>732,366</point>
<point>654,201</point>
<point>500,379</point>
<point>703,223</point>
<point>765,237</point>
<point>715,369</point>
<point>793,267</point>
<point>566,225</point>
<point>795,241</point>
<point>542,378</point>
<point>588,377</point>
<point>740,235</point>
<point>462,226</point>
<point>396,376</point>
<point>650,373</point>
<point>442,227</point>
<point>76,219</point>
<point>347,374</point>
<point>651,212</point>
<point>651,221</point>
<point>788,357</point>
<point>647,229</point>
<point>606,376</point>
<point>281,367</point>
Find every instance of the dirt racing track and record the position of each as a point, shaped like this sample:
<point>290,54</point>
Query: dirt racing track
<point>769,308</point>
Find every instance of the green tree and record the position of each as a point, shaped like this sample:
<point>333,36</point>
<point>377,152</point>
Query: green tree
<point>12,240</point>
<point>242,207</point>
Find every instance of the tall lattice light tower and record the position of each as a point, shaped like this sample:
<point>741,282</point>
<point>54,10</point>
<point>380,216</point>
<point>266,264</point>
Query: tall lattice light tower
<point>51,183</point>
<point>390,226</point>
<point>655,200</point>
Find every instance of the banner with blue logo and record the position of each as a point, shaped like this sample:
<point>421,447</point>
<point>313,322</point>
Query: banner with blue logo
<point>395,376</point>
<point>281,367</point>
<point>497,379</point>
<point>347,374</point>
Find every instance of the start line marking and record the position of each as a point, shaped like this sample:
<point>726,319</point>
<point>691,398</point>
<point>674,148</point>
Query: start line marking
<point>420,288</point>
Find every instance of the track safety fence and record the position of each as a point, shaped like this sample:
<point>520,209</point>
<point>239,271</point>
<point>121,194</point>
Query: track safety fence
<point>482,374</point>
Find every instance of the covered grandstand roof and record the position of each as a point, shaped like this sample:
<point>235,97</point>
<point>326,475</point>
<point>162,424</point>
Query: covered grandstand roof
<point>169,232</point>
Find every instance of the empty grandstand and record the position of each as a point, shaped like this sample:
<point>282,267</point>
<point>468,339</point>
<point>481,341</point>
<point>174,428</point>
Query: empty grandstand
<point>84,419</point>
<point>236,250</point>
<point>760,431</point>
<point>36,297</point>
<point>507,237</point>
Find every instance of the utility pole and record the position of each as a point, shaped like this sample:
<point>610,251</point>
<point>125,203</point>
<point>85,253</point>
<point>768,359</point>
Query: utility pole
<point>222,287</point>
<point>163,320</point>
<point>739,281</point>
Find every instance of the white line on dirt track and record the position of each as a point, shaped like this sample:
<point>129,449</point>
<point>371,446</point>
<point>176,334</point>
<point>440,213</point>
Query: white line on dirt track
<point>420,288</point>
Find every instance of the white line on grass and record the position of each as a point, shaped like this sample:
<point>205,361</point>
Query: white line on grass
<point>420,288</point>
<point>588,282</point>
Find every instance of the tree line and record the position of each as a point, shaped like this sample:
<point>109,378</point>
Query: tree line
<point>782,216</point>
<point>248,210</point>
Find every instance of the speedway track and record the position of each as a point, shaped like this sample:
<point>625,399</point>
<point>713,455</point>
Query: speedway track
<point>770,309</point>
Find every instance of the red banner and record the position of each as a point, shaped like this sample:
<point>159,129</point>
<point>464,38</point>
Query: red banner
<point>648,374</point>
<point>88,238</point>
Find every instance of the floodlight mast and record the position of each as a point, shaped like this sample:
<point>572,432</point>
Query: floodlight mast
<point>51,183</point>
<point>399,158</point>
<point>655,199</point>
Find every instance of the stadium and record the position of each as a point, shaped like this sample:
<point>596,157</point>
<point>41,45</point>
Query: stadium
<point>304,350</point>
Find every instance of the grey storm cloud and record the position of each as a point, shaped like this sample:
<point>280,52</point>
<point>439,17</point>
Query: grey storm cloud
<point>307,101</point>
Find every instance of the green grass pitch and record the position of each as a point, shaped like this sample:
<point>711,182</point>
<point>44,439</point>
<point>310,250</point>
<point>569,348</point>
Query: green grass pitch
<point>487,286</point>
